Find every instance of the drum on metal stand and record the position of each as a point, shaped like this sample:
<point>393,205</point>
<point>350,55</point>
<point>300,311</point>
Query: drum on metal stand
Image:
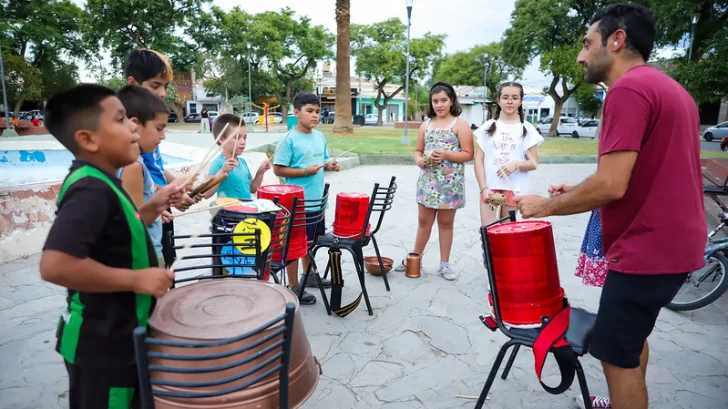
<point>226,220</point>
<point>298,246</point>
<point>351,212</point>
<point>526,271</point>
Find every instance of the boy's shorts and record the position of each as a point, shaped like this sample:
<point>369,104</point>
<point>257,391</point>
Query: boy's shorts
<point>168,251</point>
<point>628,309</point>
<point>311,228</point>
<point>102,388</point>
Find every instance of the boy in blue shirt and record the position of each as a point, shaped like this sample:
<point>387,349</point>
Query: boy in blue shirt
<point>151,70</point>
<point>300,160</point>
<point>240,183</point>
<point>150,114</point>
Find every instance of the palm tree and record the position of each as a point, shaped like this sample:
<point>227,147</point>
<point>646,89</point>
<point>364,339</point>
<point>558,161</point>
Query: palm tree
<point>342,120</point>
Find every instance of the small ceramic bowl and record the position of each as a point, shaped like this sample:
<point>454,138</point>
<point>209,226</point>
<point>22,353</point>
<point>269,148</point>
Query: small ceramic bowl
<point>371,264</point>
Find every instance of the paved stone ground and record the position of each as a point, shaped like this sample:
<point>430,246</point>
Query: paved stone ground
<point>423,346</point>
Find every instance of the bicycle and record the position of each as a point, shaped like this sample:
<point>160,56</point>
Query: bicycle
<point>700,282</point>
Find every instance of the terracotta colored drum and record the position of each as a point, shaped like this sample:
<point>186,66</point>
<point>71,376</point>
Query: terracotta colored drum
<point>285,193</point>
<point>217,309</point>
<point>351,212</point>
<point>527,274</point>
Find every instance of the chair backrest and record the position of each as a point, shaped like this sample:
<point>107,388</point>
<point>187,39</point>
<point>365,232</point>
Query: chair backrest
<point>215,251</point>
<point>381,202</point>
<point>488,261</point>
<point>281,235</point>
<point>265,351</point>
<point>311,205</point>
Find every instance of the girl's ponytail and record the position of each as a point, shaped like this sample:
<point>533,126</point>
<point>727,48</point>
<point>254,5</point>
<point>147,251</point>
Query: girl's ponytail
<point>520,114</point>
<point>491,130</point>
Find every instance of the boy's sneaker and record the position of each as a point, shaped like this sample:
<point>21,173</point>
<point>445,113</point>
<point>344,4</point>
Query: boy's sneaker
<point>401,267</point>
<point>598,402</point>
<point>448,273</point>
<point>313,283</point>
<point>307,298</point>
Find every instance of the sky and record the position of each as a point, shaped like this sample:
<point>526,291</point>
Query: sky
<point>466,22</point>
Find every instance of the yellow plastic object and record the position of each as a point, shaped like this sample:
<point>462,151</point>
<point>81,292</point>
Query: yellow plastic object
<point>245,243</point>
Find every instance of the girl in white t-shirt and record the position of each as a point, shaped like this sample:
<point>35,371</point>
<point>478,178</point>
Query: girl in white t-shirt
<point>507,151</point>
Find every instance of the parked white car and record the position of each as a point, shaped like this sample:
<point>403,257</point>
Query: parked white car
<point>371,119</point>
<point>250,117</point>
<point>566,125</point>
<point>587,129</point>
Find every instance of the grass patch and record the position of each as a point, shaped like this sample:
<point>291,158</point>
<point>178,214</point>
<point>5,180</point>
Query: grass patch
<point>385,141</point>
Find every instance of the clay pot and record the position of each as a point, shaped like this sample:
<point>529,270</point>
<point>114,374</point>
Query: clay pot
<point>371,264</point>
<point>224,308</point>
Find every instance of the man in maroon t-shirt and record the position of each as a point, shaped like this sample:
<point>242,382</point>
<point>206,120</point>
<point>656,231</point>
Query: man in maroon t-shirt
<point>649,189</point>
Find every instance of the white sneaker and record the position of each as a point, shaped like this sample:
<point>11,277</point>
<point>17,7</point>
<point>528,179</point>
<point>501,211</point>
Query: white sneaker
<point>448,273</point>
<point>598,402</point>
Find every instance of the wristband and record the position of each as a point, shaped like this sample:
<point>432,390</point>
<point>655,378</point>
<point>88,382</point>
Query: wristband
<point>483,189</point>
<point>306,174</point>
<point>516,165</point>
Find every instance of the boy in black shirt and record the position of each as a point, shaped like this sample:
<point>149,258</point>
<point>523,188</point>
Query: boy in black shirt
<point>99,248</point>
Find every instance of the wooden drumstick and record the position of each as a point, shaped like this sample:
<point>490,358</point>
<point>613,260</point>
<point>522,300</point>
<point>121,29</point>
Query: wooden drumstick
<point>207,158</point>
<point>204,209</point>
<point>535,163</point>
<point>337,157</point>
<point>281,144</point>
<point>215,182</point>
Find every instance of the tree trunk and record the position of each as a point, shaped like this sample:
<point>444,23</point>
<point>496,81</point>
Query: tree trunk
<point>284,107</point>
<point>179,110</point>
<point>17,107</point>
<point>559,101</point>
<point>342,118</point>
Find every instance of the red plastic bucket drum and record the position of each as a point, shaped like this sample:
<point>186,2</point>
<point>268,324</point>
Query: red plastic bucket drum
<point>351,212</point>
<point>285,193</point>
<point>526,271</point>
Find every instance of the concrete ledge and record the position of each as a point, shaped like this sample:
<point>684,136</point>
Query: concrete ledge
<point>410,160</point>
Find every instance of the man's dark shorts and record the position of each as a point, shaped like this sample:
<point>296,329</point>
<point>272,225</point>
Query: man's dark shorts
<point>628,309</point>
<point>102,388</point>
<point>315,229</point>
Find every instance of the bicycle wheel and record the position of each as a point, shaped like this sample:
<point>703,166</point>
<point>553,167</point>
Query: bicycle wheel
<point>704,286</point>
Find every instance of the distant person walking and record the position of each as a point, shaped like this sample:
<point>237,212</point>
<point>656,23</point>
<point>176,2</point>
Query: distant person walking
<point>204,121</point>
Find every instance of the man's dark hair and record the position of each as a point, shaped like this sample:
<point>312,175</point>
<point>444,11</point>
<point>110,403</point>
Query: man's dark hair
<point>146,64</point>
<point>305,98</point>
<point>141,103</point>
<point>73,109</point>
<point>637,22</point>
<point>231,120</point>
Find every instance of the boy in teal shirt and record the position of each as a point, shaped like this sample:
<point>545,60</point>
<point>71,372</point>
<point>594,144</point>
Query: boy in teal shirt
<point>240,183</point>
<point>299,160</point>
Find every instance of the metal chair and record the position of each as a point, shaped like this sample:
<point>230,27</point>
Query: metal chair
<point>381,199</point>
<point>381,202</point>
<point>280,241</point>
<point>580,325</point>
<point>311,205</point>
<point>208,256</point>
<point>271,342</point>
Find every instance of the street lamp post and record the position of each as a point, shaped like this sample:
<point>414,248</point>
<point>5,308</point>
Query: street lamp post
<point>485,84</point>
<point>250,86</point>
<point>695,18</point>
<point>405,139</point>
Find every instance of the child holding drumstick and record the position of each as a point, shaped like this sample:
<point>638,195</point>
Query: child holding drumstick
<point>240,183</point>
<point>507,151</point>
<point>444,144</point>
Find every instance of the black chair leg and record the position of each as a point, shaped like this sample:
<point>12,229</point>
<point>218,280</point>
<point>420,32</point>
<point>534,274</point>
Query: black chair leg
<point>360,274</point>
<point>492,374</point>
<point>381,265</point>
<point>583,385</point>
<point>312,267</point>
<point>511,359</point>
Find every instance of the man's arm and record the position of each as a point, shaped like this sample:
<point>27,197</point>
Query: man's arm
<point>608,184</point>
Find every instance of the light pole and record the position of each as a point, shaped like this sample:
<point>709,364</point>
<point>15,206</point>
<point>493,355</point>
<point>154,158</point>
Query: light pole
<point>250,86</point>
<point>485,84</point>
<point>5,94</point>
<point>695,18</point>
<point>405,139</point>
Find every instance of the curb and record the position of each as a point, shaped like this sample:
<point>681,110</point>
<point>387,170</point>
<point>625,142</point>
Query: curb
<point>351,160</point>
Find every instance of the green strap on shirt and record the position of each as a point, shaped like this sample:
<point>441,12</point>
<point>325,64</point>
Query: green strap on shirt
<point>139,252</point>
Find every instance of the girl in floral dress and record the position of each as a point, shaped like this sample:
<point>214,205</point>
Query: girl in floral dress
<point>444,144</point>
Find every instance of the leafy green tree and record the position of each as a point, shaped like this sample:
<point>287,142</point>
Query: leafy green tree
<point>466,68</point>
<point>381,55</point>
<point>121,26</point>
<point>587,99</point>
<point>40,39</point>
